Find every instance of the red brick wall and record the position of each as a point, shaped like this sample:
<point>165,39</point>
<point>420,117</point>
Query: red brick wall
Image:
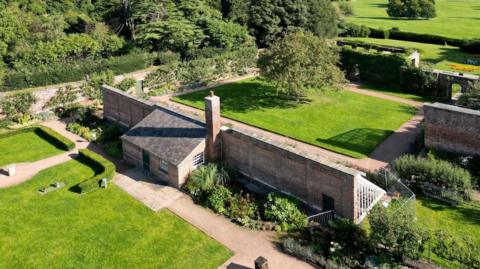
<point>452,128</point>
<point>289,171</point>
<point>123,108</point>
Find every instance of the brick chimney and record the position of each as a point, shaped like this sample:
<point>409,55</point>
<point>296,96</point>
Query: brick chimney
<point>212,119</point>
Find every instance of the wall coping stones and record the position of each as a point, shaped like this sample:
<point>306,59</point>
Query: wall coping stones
<point>312,157</point>
<point>453,108</point>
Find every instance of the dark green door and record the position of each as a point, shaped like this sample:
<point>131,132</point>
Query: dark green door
<point>328,203</point>
<point>146,160</point>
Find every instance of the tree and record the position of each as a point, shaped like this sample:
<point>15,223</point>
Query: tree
<point>301,61</point>
<point>63,100</point>
<point>411,8</point>
<point>270,19</point>
<point>397,230</point>
<point>16,106</point>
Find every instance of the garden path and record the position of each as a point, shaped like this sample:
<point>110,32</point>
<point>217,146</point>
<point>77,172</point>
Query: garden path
<point>395,145</point>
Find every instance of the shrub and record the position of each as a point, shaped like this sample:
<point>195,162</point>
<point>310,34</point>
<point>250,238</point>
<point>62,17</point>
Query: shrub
<point>471,98</point>
<point>285,211</point>
<point>346,8</point>
<point>295,248</point>
<point>103,169</point>
<point>126,84</point>
<point>353,30</point>
<point>92,87</point>
<point>217,199</point>
<point>242,209</point>
<point>411,8</point>
<point>471,46</point>
<point>63,100</point>
<point>419,80</point>
<point>16,106</point>
<point>205,178</point>
<point>441,173</point>
<point>55,138</point>
<point>397,230</point>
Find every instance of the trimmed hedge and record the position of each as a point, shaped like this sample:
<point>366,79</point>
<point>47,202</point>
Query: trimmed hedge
<point>471,46</point>
<point>46,133</point>
<point>374,67</point>
<point>61,73</point>
<point>352,29</point>
<point>55,138</point>
<point>103,169</point>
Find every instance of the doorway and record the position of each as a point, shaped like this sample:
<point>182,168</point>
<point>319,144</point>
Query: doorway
<point>328,203</point>
<point>146,160</point>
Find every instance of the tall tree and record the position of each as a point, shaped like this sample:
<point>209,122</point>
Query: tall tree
<point>301,61</point>
<point>270,19</point>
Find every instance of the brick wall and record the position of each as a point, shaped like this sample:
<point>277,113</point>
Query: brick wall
<point>289,171</point>
<point>124,109</point>
<point>452,128</point>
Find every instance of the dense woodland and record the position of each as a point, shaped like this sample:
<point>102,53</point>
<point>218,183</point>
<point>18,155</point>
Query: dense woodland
<point>42,34</point>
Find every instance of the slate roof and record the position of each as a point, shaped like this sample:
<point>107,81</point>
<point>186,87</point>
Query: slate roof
<point>169,135</point>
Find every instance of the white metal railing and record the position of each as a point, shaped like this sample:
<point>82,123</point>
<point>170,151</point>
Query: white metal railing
<point>321,218</point>
<point>368,194</point>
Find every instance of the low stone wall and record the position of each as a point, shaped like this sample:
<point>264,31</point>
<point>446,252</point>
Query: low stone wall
<point>290,171</point>
<point>124,109</point>
<point>452,128</point>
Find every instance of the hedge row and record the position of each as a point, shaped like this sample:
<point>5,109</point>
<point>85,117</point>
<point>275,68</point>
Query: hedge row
<point>103,169</point>
<point>394,33</point>
<point>373,67</point>
<point>46,133</point>
<point>61,73</point>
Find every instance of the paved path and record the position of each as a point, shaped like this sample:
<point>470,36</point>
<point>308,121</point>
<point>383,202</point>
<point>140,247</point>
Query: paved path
<point>25,171</point>
<point>146,190</point>
<point>395,145</point>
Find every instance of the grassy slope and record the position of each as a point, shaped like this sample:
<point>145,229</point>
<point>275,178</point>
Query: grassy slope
<point>461,222</point>
<point>25,147</point>
<point>455,18</point>
<point>104,229</point>
<point>442,57</point>
<point>345,122</point>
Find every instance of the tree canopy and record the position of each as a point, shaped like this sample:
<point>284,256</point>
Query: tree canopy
<point>411,8</point>
<point>292,64</point>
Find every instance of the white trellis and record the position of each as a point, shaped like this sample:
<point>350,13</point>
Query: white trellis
<point>368,194</point>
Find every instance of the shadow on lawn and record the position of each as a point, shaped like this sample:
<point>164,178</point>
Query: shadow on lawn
<point>246,96</point>
<point>467,213</point>
<point>75,188</point>
<point>361,140</point>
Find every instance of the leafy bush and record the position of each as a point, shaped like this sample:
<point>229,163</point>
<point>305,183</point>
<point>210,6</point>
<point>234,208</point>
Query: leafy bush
<point>63,100</point>
<point>471,46</point>
<point>92,87</point>
<point>16,106</point>
<point>419,80</point>
<point>471,98</point>
<point>103,169</point>
<point>441,173</point>
<point>397,231</point>
<point>205,178</point>
<point>285,211</point>
<point>295,248</point>
<point>126,84</point>
<point>353,30</point>
<point>243,209</point>
<point>217,199</point>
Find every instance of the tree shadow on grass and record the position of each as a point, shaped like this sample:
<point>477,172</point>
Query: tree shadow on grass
<point>468,213</point>
<point>93,165</point>
<point>243,97</point>
<point>361,140</point>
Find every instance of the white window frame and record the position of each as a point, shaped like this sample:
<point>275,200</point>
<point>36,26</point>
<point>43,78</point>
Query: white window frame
<point>164,166</point>
<point>198,159</point>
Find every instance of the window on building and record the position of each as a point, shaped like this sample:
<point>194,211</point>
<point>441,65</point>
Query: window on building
<point>198,159</point>
<point>164,166</point>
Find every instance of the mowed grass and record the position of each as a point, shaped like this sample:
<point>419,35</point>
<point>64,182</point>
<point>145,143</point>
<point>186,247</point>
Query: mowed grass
<point>102,229</point>
<point>26,147</point>
<point>441,57</point>
<point>463,223</point>
<point>344,122</point>
<point>455,18</point>
<point>400,93</point>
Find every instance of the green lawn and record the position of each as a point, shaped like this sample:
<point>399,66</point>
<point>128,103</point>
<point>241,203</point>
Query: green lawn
<point>442,57</point>
<point>26,147</point>
<point>102,229</point>
<point>462,223</point>
<point>455,18</point>
<point>344,122</point>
